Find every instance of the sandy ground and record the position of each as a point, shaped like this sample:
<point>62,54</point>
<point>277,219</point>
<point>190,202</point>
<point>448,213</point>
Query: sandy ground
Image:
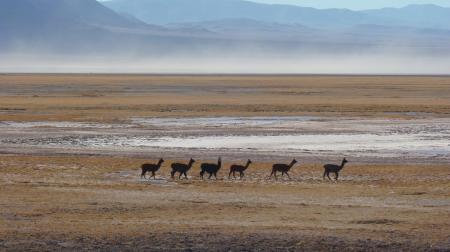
<point>89,199</point>
<point>76,202</point>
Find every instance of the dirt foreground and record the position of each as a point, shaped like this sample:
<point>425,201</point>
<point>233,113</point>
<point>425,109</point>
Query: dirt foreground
<point>100,203</point>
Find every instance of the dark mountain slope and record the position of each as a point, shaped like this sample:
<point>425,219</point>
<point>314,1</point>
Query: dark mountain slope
<point>59,24</point>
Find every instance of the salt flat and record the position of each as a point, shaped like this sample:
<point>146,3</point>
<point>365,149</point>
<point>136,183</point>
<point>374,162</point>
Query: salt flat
<point>364,140</point>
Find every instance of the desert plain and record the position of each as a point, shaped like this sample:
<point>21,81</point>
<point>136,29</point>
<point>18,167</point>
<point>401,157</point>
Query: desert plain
<point>71,147</point>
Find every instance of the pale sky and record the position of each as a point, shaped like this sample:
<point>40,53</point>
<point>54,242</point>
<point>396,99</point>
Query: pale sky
<point>357,4</point>
<point>354,4</point>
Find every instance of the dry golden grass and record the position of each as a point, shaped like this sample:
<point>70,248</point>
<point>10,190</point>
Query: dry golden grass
<point>118,97</point>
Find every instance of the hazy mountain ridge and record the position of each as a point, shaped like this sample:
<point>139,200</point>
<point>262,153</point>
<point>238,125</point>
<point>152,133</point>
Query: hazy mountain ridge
<point>69,25</point>
<point>179,11</point>
<point>249,29</point>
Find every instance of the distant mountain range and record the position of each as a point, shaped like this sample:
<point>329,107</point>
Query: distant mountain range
<point>181,27</point>
<point>181,11</point>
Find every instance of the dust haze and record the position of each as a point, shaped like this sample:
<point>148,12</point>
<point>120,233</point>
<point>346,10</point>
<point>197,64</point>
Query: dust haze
<point>239,61</point>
